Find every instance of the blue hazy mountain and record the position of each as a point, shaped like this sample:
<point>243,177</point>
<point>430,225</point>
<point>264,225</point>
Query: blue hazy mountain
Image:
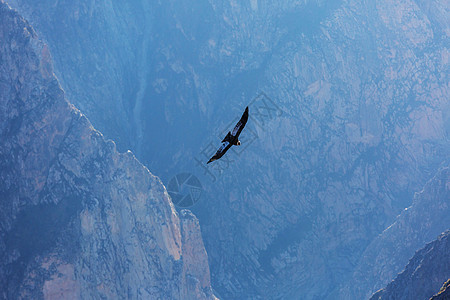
<point>353,119</point>
<point>423,276</point>
<point>389,252</point>
<point>78,219</point>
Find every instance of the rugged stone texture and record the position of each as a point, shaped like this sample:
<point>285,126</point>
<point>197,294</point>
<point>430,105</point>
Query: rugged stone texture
<point>364,89</point>
<point>77,218</point>
<point>195,263</point>
<point>419,224</point>
<point>424,274</point>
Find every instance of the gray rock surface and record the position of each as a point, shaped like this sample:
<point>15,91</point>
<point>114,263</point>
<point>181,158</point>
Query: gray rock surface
<point>363,86</point>
<point>424,274</point>
<point>78,219</point>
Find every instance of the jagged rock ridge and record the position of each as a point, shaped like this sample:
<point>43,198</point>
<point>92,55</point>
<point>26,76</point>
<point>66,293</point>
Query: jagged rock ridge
<point>444,292</point>
<point>77,218</point>
<point>424,274</point>
<point>419,224</point>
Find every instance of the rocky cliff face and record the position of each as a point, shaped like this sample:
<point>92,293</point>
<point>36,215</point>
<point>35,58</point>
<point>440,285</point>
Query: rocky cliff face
<point>77,218</point>
<point>417,225</point>
<point>363,90</point>
<point>101,52</point>
<point>424,274</point>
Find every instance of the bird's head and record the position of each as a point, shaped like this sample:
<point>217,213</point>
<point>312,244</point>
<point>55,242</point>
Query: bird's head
<point>238,143</point>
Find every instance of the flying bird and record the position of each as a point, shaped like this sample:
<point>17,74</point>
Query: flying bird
<point>232,138</point>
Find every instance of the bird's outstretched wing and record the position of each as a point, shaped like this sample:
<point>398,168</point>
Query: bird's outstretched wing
<point>231,137</point>
<point>223,148</point>
<point>241,124</point>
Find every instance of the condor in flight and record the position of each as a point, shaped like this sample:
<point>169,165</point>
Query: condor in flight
<point>232,138</point>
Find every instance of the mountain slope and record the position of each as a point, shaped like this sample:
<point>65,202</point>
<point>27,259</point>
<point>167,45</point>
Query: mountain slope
<point>77,218</point>
<point>424,274</point>
<point>362,124</point>
<point>417,225</point>
<point>444,292</point>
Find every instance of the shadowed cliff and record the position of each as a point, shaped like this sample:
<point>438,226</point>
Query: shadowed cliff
<point>424,275</point>
<point>417,225</point>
